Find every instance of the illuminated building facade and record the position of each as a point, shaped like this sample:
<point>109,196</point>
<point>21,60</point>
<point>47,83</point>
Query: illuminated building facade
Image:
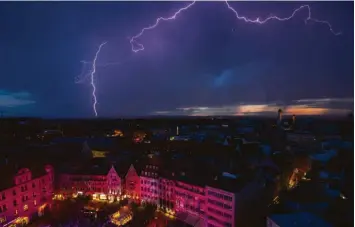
<point>167,194</point>
<point>220,207</point>
<point>149,184</point>
<point>190,198</point>
<point>25,195</point>
<point>208,203</point>
<point>198,203</point>
<point>101,184</point>
<point>132,184</point>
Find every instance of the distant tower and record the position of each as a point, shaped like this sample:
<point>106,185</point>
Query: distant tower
<point>293,120</point>
<point>177,130</point>
<point>279,116</point>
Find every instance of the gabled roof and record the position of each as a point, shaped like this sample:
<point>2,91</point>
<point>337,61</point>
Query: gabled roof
<point>131,171</point>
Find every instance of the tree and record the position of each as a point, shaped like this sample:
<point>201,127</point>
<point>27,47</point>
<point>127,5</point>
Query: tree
<point>150,210</point>
<point>134,207</point>
<point>142,216</point>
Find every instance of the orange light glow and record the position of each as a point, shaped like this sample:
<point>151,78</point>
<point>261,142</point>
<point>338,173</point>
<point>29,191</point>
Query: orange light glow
<point>255,109</point>
<point>306,110</point>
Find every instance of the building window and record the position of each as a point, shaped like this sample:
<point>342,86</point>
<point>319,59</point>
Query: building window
<point>25,207</point>
<point>14,192</point>
<point>2,219</point>
<point>3,196</point>
<point>35,203</point>
<point>15,203</point>
<point>33,185</point>
<point>4,208</point>
<point>16,212</point>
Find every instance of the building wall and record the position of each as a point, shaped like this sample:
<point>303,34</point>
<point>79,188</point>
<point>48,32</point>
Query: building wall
<point>215,206</point>
<point>220,207</point>
<point>88,184</point>
<point>109,184</point>
<point>167,194</point>
<point>132,184</point>
<point>27,198</point>
<point>114,183</point>
<point>189,198</point>
<point>149,189</point>
<point>149,181</point>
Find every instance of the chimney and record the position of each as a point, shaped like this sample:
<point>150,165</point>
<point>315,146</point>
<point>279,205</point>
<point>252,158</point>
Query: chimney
<point>279,116</point>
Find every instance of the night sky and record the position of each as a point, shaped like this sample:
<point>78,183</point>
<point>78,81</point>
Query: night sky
<point>206,62</point>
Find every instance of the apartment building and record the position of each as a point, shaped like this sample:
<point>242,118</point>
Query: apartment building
<point>101,183</point>
<point>149,181</point>
<point>197,199</point>
<point>25,193</point>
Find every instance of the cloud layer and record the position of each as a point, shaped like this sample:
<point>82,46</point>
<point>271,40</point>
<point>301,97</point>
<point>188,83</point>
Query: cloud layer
<point>323,106</point>
<point>15,99</point>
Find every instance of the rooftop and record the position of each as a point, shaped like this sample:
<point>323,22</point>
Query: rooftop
<point>302,219</point>
<point>9,170</point>
<point>229,184</point>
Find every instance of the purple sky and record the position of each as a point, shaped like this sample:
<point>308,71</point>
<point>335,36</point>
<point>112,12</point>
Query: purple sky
<point>206,62</point>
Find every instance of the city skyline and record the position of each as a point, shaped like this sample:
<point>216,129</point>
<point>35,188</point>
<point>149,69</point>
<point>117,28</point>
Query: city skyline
<point>205,62</point>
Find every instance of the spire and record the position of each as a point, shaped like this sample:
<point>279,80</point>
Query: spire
<point>279,117</point>
<point>86,149</point>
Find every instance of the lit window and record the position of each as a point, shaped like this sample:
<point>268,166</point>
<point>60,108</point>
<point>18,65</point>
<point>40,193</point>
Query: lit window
<point>16,212</point>
<point>35,203</point>
<point>25,207</point>
<point>2,219</point>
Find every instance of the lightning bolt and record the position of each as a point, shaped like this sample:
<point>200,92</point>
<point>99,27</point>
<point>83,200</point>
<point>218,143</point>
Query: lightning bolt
<point>85,75</point>
<point>92,77</point>
<point>259,21</point>
<point>136,47</point>
<point>157,21</point>
<point>102,65</point>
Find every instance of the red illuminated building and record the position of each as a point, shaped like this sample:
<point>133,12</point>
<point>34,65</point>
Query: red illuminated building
<point>25,193</point>
<point>198,201</point>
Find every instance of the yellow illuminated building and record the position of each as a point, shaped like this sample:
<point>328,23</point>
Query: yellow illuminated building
<point>117,133</point>
<point>99,154</point>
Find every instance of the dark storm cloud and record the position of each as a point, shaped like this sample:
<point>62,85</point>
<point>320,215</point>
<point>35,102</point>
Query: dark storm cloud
<point>203,62</point>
